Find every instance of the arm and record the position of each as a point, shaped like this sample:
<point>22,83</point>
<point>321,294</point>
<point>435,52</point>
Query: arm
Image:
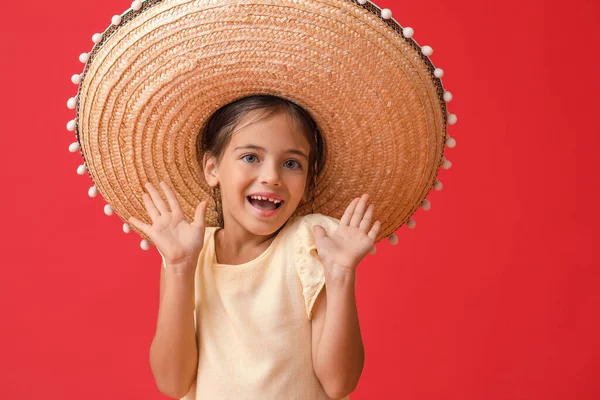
<point>337,348</point>
<point>174,352</point>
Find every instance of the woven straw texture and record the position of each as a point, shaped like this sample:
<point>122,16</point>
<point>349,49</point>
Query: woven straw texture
<point>153,81</point>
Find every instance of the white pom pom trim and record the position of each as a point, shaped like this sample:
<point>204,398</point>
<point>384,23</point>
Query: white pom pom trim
<point>136,5</point>
<point>97,37</point>
<point>386,13</point>
<point>438,185</point>
<point>447,97</point>
<point>362,2</point>
<point>73,147</point>
<point>427,50</point>
<point>411,223</point>
<point>84,57</point>
<point>452,119</point>
<point>93,191</point>
<point>144,244</point>
<point>438,73</point>
<point>446,164</point>
<point>393,239</point>
<point>116,19</point>
<point>408,32</point>
<point>108,210</point>
<point>126,228</point>
<point>76,79</point>
<point>426,205</point>
<point>81,169</point>
<point>451,143</point>
<point>71,125</point>
<point>72,103</point>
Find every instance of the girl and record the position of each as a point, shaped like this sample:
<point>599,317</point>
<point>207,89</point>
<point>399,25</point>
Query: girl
<point>257,295</point>
<point>271,319</point>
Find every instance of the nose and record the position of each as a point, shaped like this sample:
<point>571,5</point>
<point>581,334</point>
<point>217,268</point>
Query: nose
<point>270,174</point>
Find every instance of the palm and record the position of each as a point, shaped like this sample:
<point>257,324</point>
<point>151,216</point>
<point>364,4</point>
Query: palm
<point>178,240</point>
<point>353,239</point>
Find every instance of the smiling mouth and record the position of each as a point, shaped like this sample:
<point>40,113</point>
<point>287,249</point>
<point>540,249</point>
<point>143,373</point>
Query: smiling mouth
<point>264,204</point>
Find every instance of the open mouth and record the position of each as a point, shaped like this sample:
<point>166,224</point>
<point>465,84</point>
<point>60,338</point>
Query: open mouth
<point>265,205</point>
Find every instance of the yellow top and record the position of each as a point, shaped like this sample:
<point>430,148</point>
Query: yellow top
<point>252,320</point>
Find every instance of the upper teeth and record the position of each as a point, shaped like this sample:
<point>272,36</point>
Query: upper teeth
<point>266,198</point>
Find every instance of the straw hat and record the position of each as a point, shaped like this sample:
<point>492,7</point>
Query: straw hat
<point>156,75</point>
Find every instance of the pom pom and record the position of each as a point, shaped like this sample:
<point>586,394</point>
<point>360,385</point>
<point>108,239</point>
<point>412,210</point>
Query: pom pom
<point>393,239</point>
<point>451,143</point>
<point>97,37</point>
<point>116,19</point>
<point>84,57</point>
<point>446,164</point>
<point>81,169</point>
<point>76,79</point>
<point>74,147</point>
<point>447,97</point>
<point>373,250</point>
<point>362,2</point>
<point>126,228</point>
<point>144,244</point>
<point>452,119</point>
<point>136,5</point>
<point>427,50</point>
<point>411,223</point>
<point>438,185</point>
<point>72,103</point>
<point>408,32</point>
<point>93,191</point>
<point>438,72</point>
<point>426,205</point>
<point>386,13</point>
<point>108,210</point>
<point>71,125</point>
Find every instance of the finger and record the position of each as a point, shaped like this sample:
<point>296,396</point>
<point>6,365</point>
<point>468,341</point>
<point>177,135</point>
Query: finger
<point>172,199</point>
<point>348,213</point>
<point>359,211</point>
<point>152,211</point>
<point>365,224</point>
<point>158,201</point>
<point>200,215</point>
<point>140,225</point>
<point>373,250</point>
<point>320,232</point>
<point>374,230</point>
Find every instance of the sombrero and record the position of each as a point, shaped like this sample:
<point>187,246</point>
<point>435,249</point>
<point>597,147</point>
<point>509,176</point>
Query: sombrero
<point>162,68</point>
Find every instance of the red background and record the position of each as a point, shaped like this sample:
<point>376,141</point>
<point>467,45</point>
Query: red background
<point>492,296</point>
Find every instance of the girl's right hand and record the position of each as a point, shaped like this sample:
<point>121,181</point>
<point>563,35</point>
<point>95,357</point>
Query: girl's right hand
<point>178,241</point>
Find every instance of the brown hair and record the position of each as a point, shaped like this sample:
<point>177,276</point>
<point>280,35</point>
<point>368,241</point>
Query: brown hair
<point>218,130</point>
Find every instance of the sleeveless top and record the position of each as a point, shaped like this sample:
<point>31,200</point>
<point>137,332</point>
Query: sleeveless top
<point>253,320</point>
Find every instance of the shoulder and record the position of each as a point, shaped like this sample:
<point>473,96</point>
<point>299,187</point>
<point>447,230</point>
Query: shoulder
<point>303,225</point>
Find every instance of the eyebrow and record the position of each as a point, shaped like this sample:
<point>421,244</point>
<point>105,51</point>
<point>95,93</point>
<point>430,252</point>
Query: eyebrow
<point>255,147</point>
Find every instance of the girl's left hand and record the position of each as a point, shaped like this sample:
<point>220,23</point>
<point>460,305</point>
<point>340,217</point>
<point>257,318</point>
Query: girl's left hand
<point>351,242</point>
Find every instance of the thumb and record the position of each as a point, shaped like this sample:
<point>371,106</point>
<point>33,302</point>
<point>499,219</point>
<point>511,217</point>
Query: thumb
<point>199,217</point>
<point>320,232</point>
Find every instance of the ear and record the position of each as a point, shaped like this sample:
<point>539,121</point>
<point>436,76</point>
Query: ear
<point>210,168</point>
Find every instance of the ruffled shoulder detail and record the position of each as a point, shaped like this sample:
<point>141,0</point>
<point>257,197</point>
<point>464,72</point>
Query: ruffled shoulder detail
<point>307,262</point>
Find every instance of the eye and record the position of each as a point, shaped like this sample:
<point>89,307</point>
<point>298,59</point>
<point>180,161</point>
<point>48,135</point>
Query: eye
<point>293,162</point>
<point>245,158</point>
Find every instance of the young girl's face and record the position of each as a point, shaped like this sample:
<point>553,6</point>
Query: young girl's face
<point>268,158</point>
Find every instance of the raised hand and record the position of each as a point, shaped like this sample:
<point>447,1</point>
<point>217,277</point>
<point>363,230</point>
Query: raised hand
<point>351,242</point>
<point>179,241</point>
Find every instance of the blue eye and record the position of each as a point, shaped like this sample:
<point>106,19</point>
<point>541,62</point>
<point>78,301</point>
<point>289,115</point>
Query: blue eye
<point>248,155</point>
<point>298,165</point>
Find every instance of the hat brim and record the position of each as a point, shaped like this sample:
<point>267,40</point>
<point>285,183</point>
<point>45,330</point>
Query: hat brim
<point>152,82</point>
